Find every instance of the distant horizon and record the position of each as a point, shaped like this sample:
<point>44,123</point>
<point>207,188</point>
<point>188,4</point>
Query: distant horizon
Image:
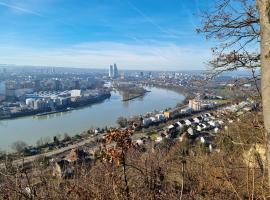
<point>90,68</point>
<point>238,72</point>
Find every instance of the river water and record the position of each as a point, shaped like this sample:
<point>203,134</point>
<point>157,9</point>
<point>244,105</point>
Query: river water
<point>30,129</point>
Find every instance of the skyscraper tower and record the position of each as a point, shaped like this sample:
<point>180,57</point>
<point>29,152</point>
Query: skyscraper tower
<point>111,74</point>
<point>115,71</point>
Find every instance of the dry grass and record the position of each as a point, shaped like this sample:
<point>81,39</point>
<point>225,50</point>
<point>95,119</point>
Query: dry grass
<point>178,172</point>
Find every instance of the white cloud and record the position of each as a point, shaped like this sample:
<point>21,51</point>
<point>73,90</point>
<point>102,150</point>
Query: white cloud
<point>19,9</point>
<point>151,56</point>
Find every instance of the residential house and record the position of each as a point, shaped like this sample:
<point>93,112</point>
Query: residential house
<point>147,121</point>
<point>188,122</point>
<point>171,113</point>
<point>186,110</point>
<point>160,117</point>
<point>203,125</point>
<point>199,128</point>
<point>197,119</point>
<point>153,119</point>
<point>190,131</point>
<point>78,155</point>
<point>181,124</point>
<point>212,123</point>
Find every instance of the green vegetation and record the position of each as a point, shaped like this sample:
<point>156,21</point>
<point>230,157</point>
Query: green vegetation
<point>153,135</point>
<point>130,92</point>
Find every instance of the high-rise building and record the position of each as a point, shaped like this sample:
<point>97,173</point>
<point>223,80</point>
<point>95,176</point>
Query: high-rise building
<point>53,70</point>
<point>115,71</point>
<point>111,74</point>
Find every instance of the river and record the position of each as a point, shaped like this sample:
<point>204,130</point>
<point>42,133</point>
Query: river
<point>30,129</point>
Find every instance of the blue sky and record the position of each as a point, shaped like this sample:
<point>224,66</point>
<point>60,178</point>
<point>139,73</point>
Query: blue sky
<point>136,34</point>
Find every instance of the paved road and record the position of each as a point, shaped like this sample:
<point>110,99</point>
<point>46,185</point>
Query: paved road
<point>53,153</point>
<point>63,150</point>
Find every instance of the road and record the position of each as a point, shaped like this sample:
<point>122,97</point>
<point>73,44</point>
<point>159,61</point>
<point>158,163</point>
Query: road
<point>63,150</point>
<point>53,153</point>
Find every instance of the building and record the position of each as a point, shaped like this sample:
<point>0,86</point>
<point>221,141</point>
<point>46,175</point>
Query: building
<point>160,117</point>
<point>39,104</point>
<point>58,86</point>
<point>76,93</point>
<point>113,71</point>
<point>52,70</point>
<point>171,113</point>
<point>147,121</point>
<point>186,110</point>
<point>30,102</point>
<point>77,84</point>
<point>195,104</point>
<point>18,93</point>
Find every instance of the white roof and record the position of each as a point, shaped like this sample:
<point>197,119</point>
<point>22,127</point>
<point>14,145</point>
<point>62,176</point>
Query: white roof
<point>171,126</point>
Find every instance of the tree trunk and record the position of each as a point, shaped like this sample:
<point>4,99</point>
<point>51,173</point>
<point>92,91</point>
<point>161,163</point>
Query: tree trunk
<point>264,11</point>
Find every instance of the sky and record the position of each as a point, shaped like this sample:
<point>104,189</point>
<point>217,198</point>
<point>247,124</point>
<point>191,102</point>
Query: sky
<point>135,34</point>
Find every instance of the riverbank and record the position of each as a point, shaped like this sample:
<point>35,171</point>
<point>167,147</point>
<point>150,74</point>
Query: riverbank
<point>102,114</point>
<point>136,96</point>
<point>92,139</point>
<point>178,89</point>
<point>69,107</point>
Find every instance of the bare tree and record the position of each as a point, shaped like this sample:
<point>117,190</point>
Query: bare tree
<point>264,10</point>
<point>122,122</point>
<point>19,146</point>
<point>43,141</point>
<point>235,25</point>
<point>242,26</point>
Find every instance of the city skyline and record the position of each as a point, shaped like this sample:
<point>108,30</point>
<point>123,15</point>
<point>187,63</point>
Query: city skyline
<point>136,34</point>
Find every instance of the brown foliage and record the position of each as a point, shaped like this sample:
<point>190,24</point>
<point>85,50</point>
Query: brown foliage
<point>182,172</point>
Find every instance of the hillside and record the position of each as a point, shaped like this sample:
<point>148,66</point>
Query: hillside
<point>172,170</point>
